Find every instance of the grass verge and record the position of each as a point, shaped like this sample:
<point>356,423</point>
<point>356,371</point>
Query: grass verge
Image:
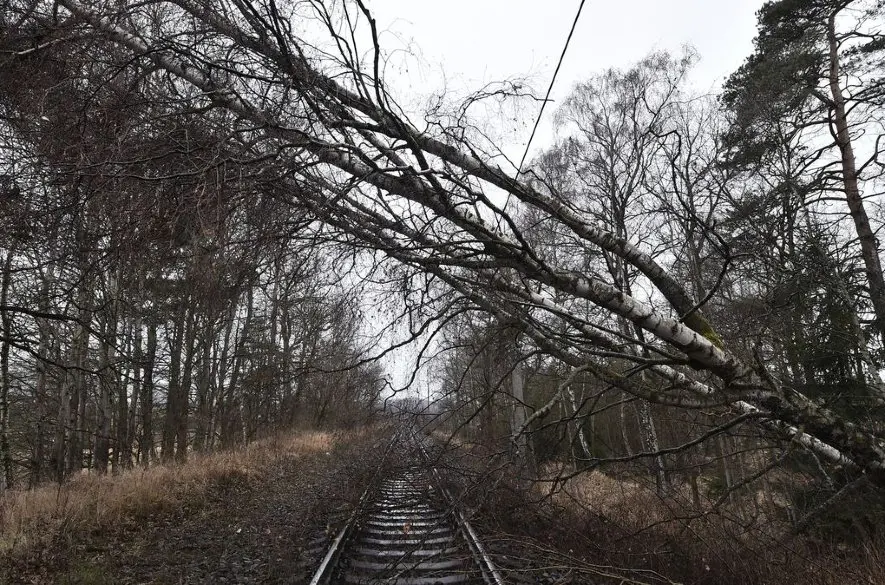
<point>715,541</point>
<point>90,502</point>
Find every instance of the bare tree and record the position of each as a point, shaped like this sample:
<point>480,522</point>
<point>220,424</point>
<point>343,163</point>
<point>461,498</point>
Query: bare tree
<point>421,196</point>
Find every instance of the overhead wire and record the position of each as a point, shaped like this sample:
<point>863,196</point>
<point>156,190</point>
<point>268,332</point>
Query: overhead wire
<point>528,145</point>
<point>568,40</point>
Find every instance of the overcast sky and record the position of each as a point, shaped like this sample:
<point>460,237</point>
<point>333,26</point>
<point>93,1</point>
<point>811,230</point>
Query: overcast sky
<point>461,45</point>
<point>464,44</point>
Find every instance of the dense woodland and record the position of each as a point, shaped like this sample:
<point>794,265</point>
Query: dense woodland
<point>173,304</point>
<point>201,195</point>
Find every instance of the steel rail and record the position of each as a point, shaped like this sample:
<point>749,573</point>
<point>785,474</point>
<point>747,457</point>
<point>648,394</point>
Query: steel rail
<point>340,545</point>
<point>327,566</point>
<point>490,573</point>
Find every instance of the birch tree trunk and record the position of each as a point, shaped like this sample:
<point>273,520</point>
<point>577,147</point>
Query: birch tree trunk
<point>76,373</point>
<point>520,449</point>
<point>182,411</point>
<point>41,388</point>
<point>106,380</point>
<point>7,480</point>
<point>579,425</point>
<point>167,449</point>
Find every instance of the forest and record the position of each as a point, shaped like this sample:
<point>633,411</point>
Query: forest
<point>220,223</point>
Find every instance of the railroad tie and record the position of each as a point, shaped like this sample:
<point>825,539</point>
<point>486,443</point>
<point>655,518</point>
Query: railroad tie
<point>408,536</point>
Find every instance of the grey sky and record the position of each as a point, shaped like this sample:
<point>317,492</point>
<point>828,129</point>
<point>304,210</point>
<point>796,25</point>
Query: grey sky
<point>461,45</point>
<point>464,44</point>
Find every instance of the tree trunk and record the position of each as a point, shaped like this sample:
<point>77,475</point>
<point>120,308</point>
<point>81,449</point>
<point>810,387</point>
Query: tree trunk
<point>146,442</point>
<point>579,426</point>
<point>867,238</point>
<point>203,405</point>
<point>123,450</point>
<point>106,381</point>
<point>650,444</point>
<point>234,430</point>
<point>727,475</point>
<point>102,443</point>
<point>287,406</point>
<point>61,429</point>
<point>76,382</point>
<point>46,345</point>
<point>625,436</point>
<point>6,478</point>
<point>220,371</point>
<point>648,433</point>
<point>184,389</point>
<point>170,422</point>
<point>521,454</point>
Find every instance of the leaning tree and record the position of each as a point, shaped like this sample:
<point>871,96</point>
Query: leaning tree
<point>309,108</point>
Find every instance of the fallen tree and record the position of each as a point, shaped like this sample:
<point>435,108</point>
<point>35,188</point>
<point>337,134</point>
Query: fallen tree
<point>323,128</point>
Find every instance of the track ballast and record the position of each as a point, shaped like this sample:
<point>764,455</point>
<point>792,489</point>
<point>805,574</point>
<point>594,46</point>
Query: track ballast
<point>407,531</point>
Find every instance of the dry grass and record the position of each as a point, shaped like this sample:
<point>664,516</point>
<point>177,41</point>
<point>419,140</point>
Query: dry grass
<point>742,542</point>
<point>631,503</point>
<point>92,502</point>
<point>636,505</point>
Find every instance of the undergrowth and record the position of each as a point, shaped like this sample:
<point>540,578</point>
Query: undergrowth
<point>91,502</point>
<point>614,522</point>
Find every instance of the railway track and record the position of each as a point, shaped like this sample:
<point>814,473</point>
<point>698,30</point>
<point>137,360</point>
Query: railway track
<point>407,531</point>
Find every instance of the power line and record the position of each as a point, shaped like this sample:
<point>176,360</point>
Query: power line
<point>550,88</point>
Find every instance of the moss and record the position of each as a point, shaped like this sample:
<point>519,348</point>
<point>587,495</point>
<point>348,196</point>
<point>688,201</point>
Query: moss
<point>714,338</point>
<point>697,322</point>
<point>84,573</point>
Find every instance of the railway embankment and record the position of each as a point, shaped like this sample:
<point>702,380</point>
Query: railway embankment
<point>239,516</point>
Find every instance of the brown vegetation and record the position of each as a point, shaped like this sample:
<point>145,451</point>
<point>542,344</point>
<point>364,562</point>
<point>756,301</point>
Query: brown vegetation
<point>614,527</point>
<point>34,524</point>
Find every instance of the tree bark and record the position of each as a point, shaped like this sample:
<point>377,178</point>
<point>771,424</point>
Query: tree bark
<point>107,376</point>
<point>123,450</point>
<point>868,246</point>
<point>45,347</point>
<point>76,378</point>
<point>7,480</point>
<point>184,389</point>
<point>521,451</point>
<point>146,441</point>
<point>586,447</point>
<point>203,404</point>
<point>170,421</point>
